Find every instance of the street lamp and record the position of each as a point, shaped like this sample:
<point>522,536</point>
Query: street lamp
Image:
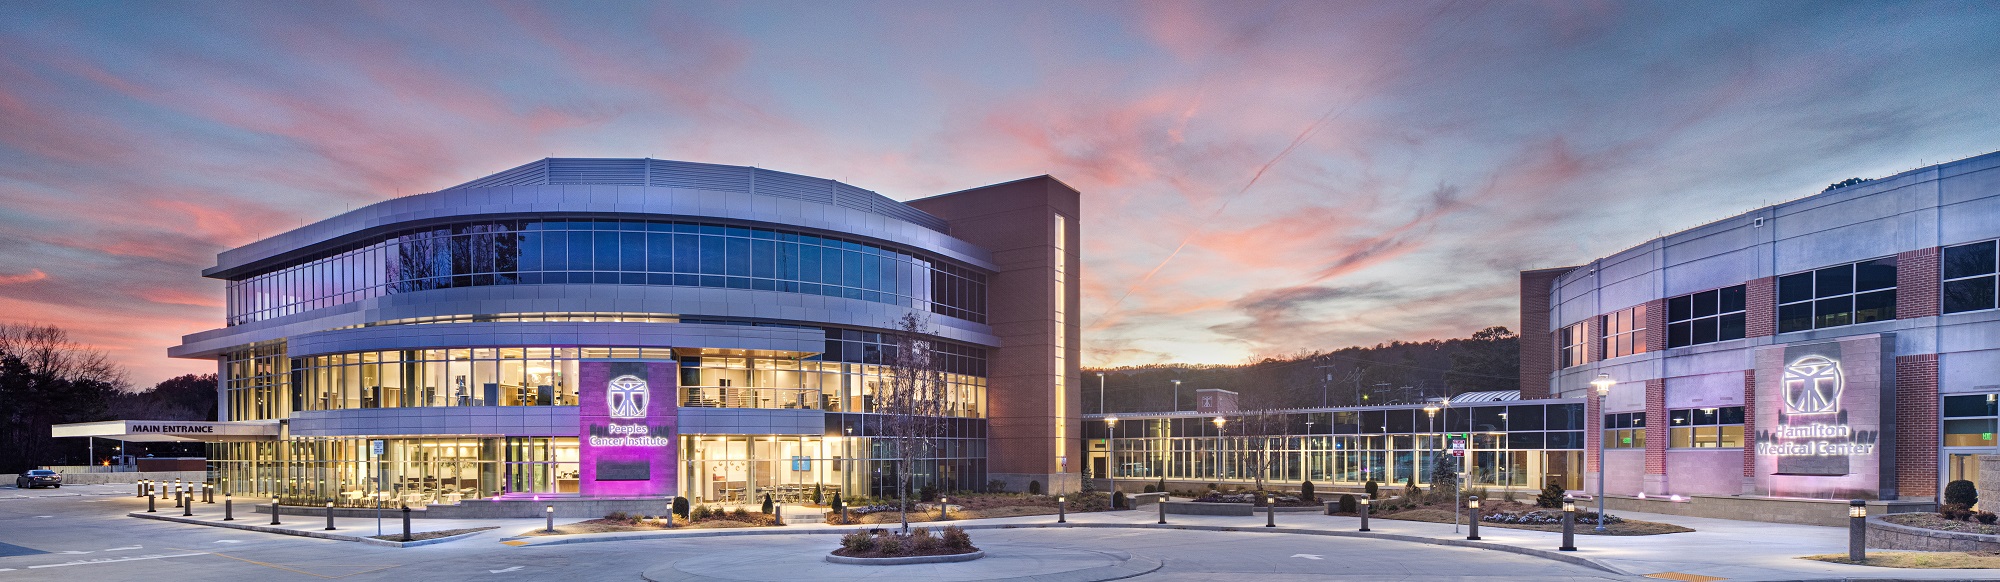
<point>1111,454</point>
<point>1100,393</point>
<point>1177,396</point>
<point>1603,382</point>
<point>1431,412</point>
<point>1218,444</point>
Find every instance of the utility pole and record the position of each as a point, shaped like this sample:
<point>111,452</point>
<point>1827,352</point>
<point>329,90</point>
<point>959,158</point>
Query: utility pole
<point>1325,383</point>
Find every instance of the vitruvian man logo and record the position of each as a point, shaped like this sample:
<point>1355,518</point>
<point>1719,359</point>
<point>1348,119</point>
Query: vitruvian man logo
<point>626,397</point>
<point>1813,385</point>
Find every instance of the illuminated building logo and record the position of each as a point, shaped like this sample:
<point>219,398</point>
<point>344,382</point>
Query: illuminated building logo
<point>626,397</point>
<point>1813,385</point>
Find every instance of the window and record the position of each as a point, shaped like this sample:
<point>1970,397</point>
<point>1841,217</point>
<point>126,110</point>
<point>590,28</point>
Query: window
<point>1706,317</point>
<point>1705,428</point>
<point>1968,272</point>
<point>1625,430</point>
<point>1569,346</point>
<point>1625,332</point>
<point>1969,420</point>
<point>1838,295</point>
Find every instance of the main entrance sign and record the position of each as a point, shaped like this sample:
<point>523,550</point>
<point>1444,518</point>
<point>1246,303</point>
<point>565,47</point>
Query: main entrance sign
<point>627,438</point>
<point>1824,418</point>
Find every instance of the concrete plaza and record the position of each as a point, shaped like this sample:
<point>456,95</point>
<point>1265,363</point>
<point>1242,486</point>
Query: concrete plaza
<point>86,531</point>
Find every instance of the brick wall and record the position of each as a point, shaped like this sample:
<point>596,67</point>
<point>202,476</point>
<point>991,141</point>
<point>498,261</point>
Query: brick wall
<point>1916,425</point>
<point>1656,325</point>
<point>1917,283</point>
<point>1538,355</point>
<point>1593,430</point>
<point>1593,332</point>
<point>1656,426</point>
<point>1749,423</point>
<point>1760,298</point>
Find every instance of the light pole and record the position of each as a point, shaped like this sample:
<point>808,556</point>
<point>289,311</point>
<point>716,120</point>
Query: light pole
<point>1177,396</point>
<point>1431,413</point>
<point>1100,393</point>
<point>1603,382</point>
<point>1218,445</point>
<point>1111,454</point>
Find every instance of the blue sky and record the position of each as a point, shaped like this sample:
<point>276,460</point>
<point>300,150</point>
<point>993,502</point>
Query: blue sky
<point>1258,178</point>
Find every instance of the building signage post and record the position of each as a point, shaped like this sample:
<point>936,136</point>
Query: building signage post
<point>628,438</point>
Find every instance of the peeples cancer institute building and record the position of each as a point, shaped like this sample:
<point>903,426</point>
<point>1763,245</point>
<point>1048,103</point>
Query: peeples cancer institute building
<point>640,328</point>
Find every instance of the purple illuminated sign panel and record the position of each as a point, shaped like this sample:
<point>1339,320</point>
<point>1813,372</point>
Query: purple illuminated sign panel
<point>627,437</point>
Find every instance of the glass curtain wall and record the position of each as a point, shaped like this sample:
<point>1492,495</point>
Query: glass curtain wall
<point>610,252</point>
<point>313,471</point>
<point>1519,445</point>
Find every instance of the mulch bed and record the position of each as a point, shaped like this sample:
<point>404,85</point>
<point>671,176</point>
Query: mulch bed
<point>1929,520</point>
<point>982,506</point>
<point>907,553</point>
<point>431,535</point>
<point>1443,514</point>
<point>602,525</point>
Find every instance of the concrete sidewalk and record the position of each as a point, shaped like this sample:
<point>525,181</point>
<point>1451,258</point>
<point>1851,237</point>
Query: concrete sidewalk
<point>345,528</point>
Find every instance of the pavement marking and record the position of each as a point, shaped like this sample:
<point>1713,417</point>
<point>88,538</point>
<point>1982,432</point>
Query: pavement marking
<point>226,542</point>
<point>1684,577</point>
<point>124,548</point>
<point>504,571</point>
<point>1308,556</point>
<point>116,560</point>
<point>515,543</point>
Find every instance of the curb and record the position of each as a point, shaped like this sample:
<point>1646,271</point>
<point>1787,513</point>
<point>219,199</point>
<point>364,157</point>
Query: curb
<point>1545,554</point>
<point>307,533</point>
<point>945,559</point>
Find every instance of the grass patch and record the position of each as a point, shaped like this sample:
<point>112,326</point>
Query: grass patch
<point>431,535</point>
<point>983,506</point>
<point>1918,560</point>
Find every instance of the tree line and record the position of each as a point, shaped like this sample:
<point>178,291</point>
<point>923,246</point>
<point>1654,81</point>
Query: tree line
<point>47,378</point>
<point>1395,372</point>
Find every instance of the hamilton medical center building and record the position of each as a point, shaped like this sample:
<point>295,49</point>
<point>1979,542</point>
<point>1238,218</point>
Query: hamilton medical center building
<point>1842,345</point>
<point>596,330</point>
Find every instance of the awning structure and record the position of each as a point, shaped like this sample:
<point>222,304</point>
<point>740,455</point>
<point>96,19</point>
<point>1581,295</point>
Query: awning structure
<point>170,431</point>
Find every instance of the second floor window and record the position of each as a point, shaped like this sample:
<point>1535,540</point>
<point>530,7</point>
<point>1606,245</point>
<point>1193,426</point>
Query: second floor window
<point>1838,295</point>
<point>1625,332</point>
<point>1570,342</point>
<point>1706,317</point>
<point>1968,272</point>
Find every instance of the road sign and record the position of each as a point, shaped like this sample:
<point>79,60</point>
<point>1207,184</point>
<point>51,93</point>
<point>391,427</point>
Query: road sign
<point>376,446</point>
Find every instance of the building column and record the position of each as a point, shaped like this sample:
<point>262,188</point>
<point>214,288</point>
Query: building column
<point>1760,316</point>
<point>1917,283</point>
<point>1655,480</point>
<point>1749,432</point>
<point>1916,425</point>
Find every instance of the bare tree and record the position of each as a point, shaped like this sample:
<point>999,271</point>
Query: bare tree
<point>914,407</point>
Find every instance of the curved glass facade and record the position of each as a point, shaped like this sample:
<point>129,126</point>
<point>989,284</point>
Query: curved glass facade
<point>610,252</point>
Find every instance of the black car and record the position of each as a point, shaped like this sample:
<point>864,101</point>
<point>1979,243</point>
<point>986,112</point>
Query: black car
<point>37,478</point>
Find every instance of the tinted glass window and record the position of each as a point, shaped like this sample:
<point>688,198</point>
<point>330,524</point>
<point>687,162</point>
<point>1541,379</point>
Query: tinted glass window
<point>1973,405</point>
<point>1524,417</point>
<point>1969,260</point>
<point>1795,287</point>
<point>1833,280</point>
<point>1876,274</point>
<point>1968,294</point>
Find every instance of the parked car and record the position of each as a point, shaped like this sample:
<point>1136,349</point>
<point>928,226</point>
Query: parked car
<point>37,478</point>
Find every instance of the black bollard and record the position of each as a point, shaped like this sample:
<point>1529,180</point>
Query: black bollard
<point>1857,530</point>
<point>1270,511</point>
<point>208,493</point>
<point>329,516</point>
<point>406,523</point>
<point>274,511</point>
<point>228,508</point>
<point>1364,511</point>
<point>1472,503</point>
<point>187,510</point>
<point>1062,509</point>
<point>149,504</point>
<point>177,496</point>
<point>1163,510</point>
<point>1569,525</point>
<point>550,511</point>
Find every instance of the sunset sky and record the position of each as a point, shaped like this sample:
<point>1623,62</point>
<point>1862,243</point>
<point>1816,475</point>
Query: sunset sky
<point>1257,179</point>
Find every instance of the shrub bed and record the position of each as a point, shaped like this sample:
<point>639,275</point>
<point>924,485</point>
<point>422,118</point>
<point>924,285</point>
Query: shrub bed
<point>922,541</point>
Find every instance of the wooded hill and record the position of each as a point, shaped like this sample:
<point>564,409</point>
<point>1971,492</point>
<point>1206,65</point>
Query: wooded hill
<point>1389,373</point>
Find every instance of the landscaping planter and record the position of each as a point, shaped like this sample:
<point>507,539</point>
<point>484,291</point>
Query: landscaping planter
<point>1200,508</point>
<point>947,558</point>
<point>1890,536</point>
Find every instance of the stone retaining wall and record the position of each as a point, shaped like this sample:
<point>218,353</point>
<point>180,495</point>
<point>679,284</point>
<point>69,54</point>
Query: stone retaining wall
<point>126,477</point>
<point>1989,482</point>
<point>516,508</point>
<point>1826,512</point>
<point>1889,536</point>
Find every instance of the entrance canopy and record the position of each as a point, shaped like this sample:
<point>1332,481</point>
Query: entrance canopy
<point>170,431</point>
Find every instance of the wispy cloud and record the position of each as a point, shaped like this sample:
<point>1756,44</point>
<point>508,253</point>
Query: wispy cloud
<point>1258,178</point>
